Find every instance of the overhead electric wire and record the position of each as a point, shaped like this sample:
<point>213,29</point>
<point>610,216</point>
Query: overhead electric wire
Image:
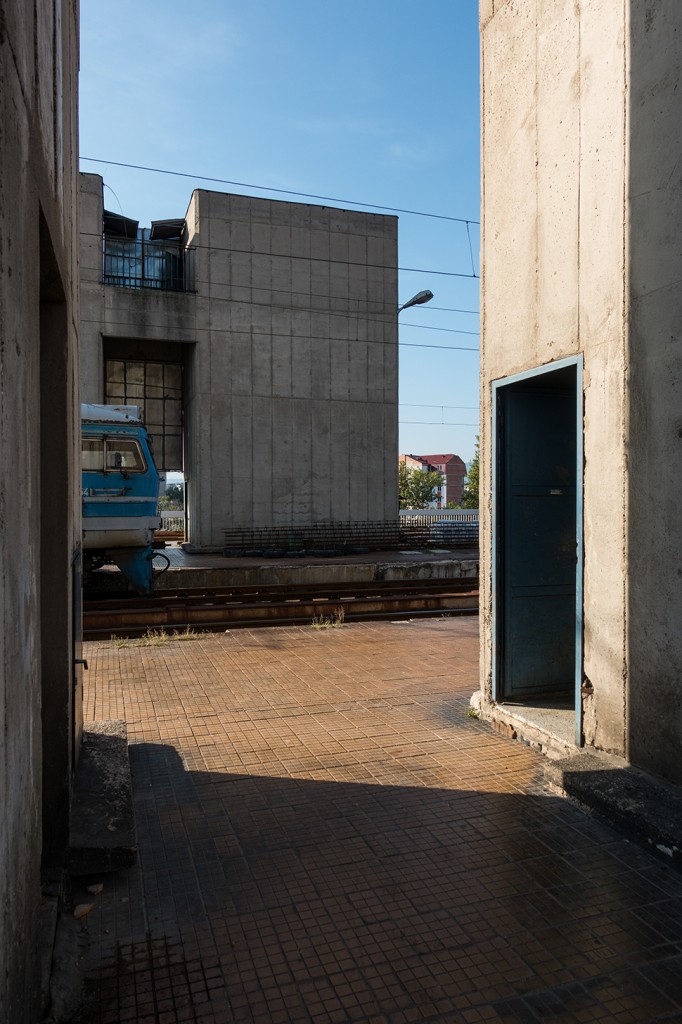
<point>368,317</point>
<point>280,191</point>
<point>268,334</point>
<point>315,259</point>
<point>421,405</point>
<point>431,423</point>
<point>448,309</point>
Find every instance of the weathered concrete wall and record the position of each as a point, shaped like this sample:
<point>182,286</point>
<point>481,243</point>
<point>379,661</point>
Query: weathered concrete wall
<point>655,387</point>
<point>582,206</point>
<point>39,488</point>
<point>291,379</point>
<point>554,250</point>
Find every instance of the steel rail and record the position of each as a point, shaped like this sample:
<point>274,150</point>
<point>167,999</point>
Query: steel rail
<point>279,604</point>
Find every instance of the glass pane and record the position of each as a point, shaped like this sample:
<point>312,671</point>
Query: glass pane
<point>92,454</point>
<point>153,410</point>
<point>172,376</point>
<point>124,456</point>
<point>115,394</point>
<point>135,373</point>
<point>173,414</point>
<point>115,371</point>
<point>134,394</point>
<point>173,456</point>
<point>155,374</point>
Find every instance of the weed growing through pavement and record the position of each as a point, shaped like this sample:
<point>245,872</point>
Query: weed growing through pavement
<point>473,713</point>
<point>156,638</point>
<point>334,621</point>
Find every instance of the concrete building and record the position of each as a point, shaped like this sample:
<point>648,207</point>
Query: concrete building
<point>581,457</point>
<point>261,337</point>
<point>39,478</point>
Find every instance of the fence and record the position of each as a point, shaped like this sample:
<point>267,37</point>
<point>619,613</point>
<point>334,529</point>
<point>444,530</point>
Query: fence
<point>172,522</point>
<point>426,516</point>
<point>355,537</point>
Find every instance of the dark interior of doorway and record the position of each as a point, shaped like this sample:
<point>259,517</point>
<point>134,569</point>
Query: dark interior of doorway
<point>537,544</point>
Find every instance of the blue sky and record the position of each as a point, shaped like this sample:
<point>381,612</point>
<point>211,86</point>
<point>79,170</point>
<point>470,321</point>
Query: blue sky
<point>374,101</point>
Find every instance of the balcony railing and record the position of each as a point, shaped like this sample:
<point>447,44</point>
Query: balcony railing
<point>143,263</point>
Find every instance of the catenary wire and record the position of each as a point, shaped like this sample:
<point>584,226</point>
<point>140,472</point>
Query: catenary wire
<point>368,317</point>
<point>268,334</point>
<point>280,191</point>
<point>316,259</point>
<point>439,405</point>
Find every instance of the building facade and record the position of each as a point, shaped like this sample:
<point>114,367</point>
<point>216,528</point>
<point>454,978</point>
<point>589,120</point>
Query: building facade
<point>581,457</point>
<point>261,338</point>
<point>40,692</point>
<point>452,471</point>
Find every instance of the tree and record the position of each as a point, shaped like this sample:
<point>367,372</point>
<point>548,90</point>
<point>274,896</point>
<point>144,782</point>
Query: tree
<point>416,487</point>
<point>173,498</point>
<point>470,492</point>
<point>175,494</point>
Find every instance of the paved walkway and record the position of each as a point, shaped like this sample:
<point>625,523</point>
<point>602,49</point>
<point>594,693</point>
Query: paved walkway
<point>326,836</point>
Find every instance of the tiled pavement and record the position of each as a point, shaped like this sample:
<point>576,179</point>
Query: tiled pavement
<point>326,836</point>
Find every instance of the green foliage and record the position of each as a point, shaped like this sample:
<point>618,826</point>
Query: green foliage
<point>416,487</point>
<point>176,495</point>
<point>173,499</point>
<point>470,492</point>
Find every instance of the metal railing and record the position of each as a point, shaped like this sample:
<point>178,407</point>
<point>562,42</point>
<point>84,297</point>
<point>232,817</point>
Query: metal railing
<point>141,263</point>
<point>345,538</point>
<point>426,516</point>
<point>172,521</point>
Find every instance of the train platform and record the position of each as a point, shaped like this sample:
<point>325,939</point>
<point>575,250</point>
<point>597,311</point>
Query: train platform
<point>189,570</point>
<point>327,837</point>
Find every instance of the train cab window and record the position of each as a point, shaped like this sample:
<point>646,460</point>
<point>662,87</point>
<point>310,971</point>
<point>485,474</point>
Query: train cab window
<point>123,456</point>
<point>93,455</point>
<point>112,455</point>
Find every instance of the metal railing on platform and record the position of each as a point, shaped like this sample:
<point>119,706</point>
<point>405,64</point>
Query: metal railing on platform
<point>352,537</point>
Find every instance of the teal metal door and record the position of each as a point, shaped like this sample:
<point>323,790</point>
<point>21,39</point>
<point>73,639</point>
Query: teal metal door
<point>537,541</point>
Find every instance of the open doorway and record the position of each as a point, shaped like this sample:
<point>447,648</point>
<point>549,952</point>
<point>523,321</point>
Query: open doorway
<point>537,530</point>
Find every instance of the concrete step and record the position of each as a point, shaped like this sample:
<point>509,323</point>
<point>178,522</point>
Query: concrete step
<point>647,809</point>
<point>102,835</point>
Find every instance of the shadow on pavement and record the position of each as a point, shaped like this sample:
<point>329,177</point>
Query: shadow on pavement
<point>261,898</point>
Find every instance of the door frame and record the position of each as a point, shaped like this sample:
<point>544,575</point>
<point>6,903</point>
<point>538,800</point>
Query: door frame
<point>497,386</point>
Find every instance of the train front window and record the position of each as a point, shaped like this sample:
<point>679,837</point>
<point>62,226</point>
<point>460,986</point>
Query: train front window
<point>123,456</point>
<point>93,455</point>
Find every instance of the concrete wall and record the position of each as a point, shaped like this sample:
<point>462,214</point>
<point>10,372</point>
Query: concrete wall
<point>39,488</point>
<point>655,387</point>
<point>581,204</point>
<point>292,367</point>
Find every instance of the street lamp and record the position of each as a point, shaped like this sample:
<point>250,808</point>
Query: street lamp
<point>417,300</point>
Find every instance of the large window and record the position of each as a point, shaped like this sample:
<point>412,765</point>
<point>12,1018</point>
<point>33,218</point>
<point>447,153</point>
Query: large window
<point>157,388</point>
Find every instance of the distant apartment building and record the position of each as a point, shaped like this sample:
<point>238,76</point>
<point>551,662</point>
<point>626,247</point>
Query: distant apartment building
<point>261,339</point>
<point>452,470</point>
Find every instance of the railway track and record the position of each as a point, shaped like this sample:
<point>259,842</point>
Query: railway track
<point>220,608</point>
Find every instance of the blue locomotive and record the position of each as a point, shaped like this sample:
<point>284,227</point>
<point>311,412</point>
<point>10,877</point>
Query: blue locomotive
<point>120,489</point>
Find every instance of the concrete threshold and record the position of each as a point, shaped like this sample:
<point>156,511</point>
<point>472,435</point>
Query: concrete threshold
<point>102,834</point>
<point>549,728</point>
<point>646,809</point>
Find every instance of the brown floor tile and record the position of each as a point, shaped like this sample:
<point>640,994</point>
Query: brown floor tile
<point>326,836</point>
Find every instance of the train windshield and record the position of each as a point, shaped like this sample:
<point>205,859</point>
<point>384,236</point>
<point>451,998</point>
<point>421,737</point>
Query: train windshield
<point>112,455</point>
